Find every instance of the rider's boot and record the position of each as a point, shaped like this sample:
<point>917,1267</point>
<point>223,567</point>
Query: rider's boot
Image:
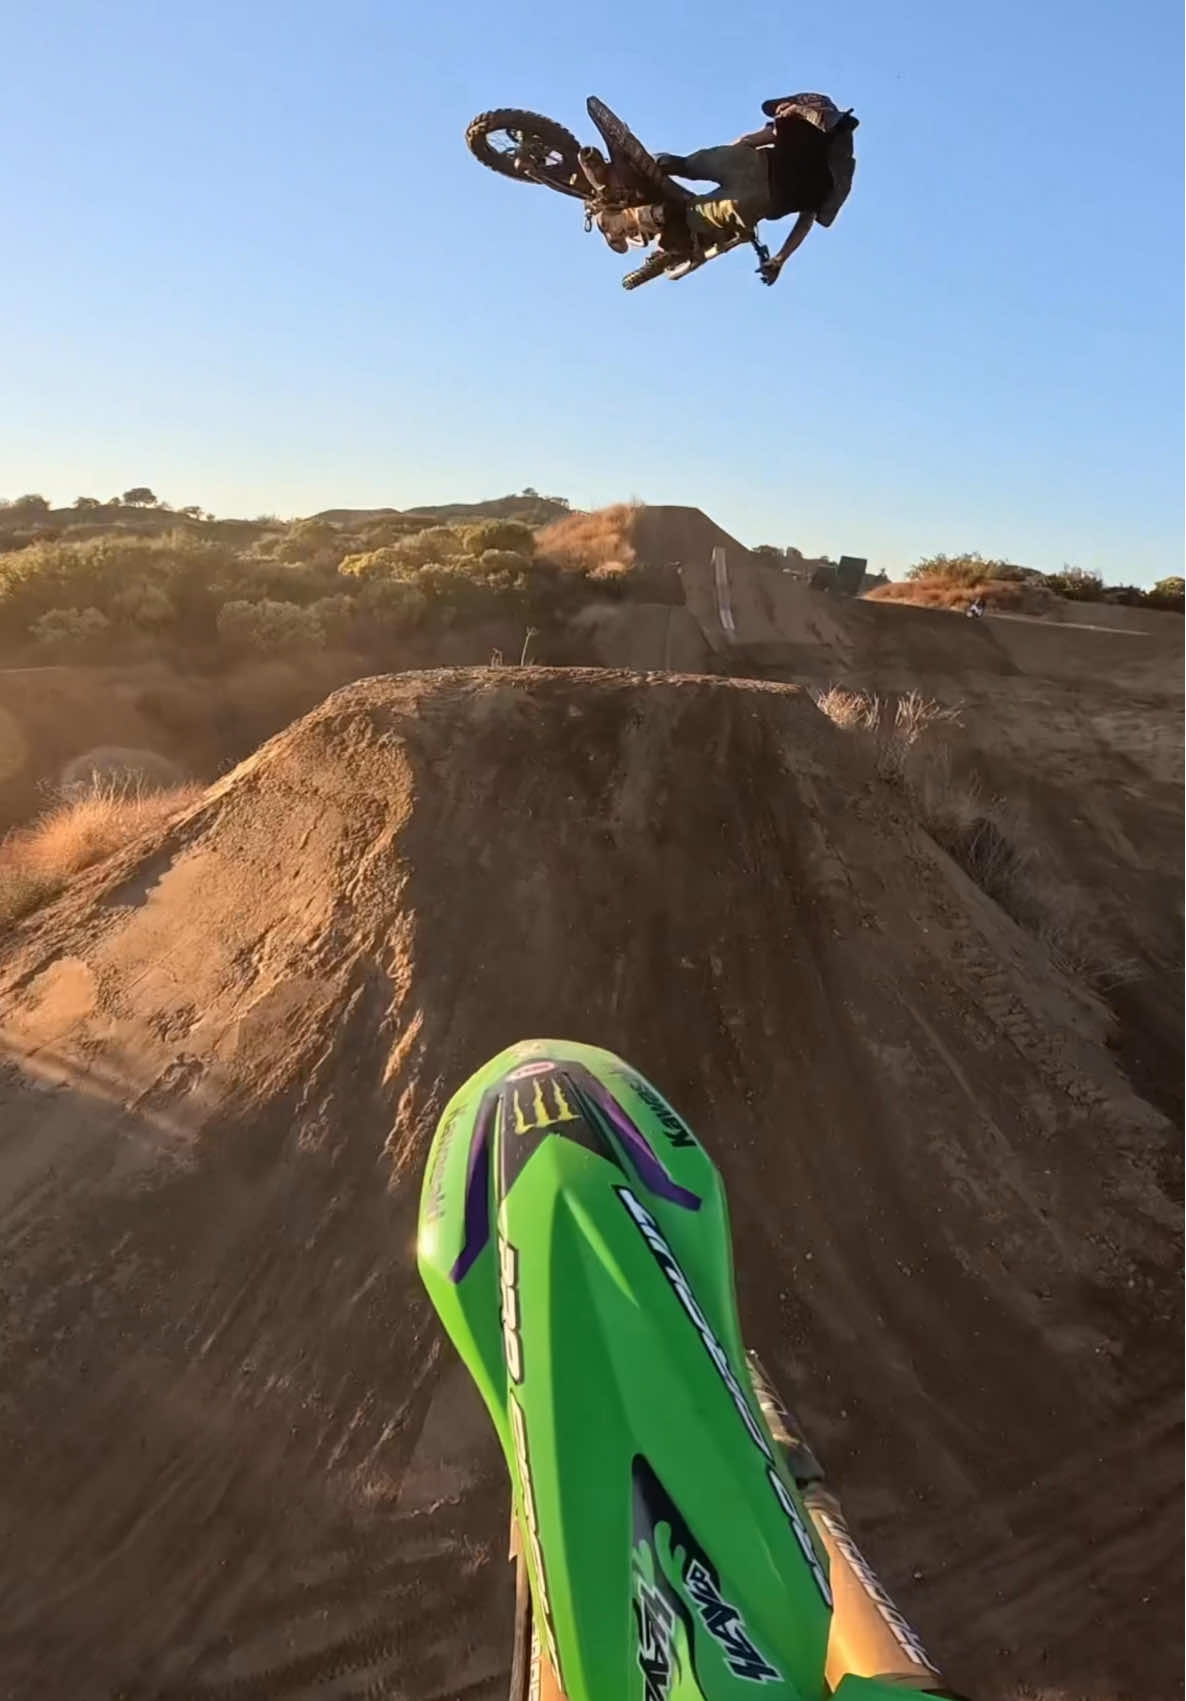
<point>643,224</point>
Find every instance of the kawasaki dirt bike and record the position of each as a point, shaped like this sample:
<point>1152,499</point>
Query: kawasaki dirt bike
<point>671,1531</point>
<point>534,149</point>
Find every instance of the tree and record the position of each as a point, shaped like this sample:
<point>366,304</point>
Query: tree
<point>767,554</point>
<point>1169,594</point>
<point>87,502</point>
<point>191,512</point>
<point>139,497</point>
<point>29,505</point>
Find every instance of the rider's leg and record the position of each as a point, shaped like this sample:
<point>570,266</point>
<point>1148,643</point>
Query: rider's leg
<point>723,164</point>
<point>744,195</point>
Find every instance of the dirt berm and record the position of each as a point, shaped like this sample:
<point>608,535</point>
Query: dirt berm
<point>238,1460</point>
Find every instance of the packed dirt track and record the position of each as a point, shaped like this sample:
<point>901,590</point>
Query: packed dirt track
<point>238,1459</point>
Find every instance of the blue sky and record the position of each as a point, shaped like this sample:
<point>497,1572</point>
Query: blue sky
<point>249,262</point>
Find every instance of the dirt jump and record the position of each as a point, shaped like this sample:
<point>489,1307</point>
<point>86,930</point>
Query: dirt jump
<point>238,1458</point>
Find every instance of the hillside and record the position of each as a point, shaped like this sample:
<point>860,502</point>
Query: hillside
<point>248,1467</point>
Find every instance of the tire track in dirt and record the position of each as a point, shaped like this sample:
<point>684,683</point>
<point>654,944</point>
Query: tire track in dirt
<point>235,1461</point>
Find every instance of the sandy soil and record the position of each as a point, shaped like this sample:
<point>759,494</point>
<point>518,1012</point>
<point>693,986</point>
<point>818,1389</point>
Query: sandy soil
<point>1079,727</point>
<point>237,1460</point>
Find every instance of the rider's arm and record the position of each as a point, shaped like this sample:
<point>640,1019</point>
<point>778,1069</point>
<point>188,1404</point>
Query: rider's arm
<point>797,236</point>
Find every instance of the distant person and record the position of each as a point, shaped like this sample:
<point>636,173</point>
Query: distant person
<point>801,162</point>
<point>976,609</point>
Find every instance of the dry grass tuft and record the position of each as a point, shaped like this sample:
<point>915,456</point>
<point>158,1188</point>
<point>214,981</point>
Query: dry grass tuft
<point>600,543</point>
<point>896,732</point>
<point>992,842</point>
<point>995,846</point>
<point>37,862</point>
<point>851,710</point>
<point>916,714</point>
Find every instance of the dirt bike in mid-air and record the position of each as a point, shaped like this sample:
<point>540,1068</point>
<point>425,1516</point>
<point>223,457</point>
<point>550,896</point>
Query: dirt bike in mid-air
<point>534,149</point>
<point>671,1530</point>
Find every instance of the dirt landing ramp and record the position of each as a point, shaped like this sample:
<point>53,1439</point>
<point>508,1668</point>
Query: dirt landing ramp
<point>745,611</point>
<point>238,1461</point>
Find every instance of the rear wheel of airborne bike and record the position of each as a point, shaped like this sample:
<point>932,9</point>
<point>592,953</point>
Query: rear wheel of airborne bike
<point>529,147</point>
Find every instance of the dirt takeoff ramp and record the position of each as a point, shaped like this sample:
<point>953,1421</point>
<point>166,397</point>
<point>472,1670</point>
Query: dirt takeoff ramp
<point>238,1460</point>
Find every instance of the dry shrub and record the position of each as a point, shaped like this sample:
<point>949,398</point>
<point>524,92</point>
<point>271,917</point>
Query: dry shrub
<point>851,710</point>
<point>895,733</point>
<point>113,767</point>
<point>37,862</point>
<point>994,844</point>
<point>915,714</point>
<point>600,543</point>
<point>1003,595</point>
<point>991,840</point>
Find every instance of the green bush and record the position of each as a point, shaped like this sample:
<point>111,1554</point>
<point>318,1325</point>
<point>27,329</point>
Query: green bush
<point>1168,594</point>
<point>258,577</point>
<point>71,628</point>
<point>382,563</point>
<point>436,543</point>
<point>337,617</point>
<point>145,605</point>
<point>453,591</point>
<point>313,543</point>
<point>265,627</point>
<point>1076,585</point>
<point>505,566</point>
<point>505,535</point>
<point>389,529</point>
<point>94,572</point>
<point>392,605</point>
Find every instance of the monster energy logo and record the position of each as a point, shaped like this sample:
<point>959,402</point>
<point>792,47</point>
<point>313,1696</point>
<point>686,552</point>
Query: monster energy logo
<point>530,1110</point>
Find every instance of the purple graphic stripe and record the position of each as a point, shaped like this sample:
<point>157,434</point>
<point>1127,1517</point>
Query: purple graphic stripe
<point>477,1191</point>
<point>650,1170</point>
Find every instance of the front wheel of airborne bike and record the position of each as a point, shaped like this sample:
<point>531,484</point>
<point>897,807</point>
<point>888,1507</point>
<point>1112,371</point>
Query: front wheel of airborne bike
<point>529,147</point>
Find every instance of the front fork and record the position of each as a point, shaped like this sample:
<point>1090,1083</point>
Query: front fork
<point>868,1637</point>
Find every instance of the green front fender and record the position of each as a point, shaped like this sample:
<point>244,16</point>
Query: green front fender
<point>575,1241</point>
